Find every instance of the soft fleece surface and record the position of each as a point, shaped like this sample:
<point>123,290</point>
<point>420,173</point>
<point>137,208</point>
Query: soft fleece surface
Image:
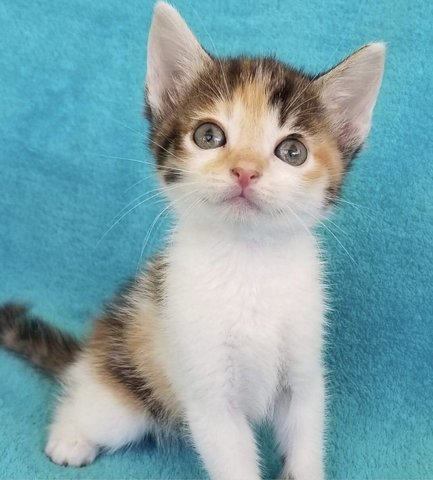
<point>71,76</point>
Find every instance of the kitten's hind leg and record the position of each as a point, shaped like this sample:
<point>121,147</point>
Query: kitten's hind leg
<point>91,416</point>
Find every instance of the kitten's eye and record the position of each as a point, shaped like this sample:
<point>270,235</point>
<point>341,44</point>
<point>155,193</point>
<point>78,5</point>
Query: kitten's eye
<point>209,135</point>
<point>292,151</point>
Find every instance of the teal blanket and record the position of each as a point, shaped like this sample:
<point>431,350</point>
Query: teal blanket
<point>71,143</point>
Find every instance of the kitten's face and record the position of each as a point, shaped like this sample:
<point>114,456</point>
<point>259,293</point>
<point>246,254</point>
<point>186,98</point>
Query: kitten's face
<point>250,141</point>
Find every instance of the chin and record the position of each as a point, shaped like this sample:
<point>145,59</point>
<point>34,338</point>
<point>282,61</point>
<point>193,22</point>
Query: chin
<point>236,212</point>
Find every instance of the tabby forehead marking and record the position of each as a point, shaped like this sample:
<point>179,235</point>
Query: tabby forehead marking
<point>248,121</point>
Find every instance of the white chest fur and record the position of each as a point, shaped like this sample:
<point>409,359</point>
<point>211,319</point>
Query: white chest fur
<point>239,314</point>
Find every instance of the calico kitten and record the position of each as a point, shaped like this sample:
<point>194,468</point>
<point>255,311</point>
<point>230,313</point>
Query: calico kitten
<point>224,328</point>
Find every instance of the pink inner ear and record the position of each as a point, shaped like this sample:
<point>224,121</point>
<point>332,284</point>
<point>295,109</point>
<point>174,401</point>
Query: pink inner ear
<point>347,133</point>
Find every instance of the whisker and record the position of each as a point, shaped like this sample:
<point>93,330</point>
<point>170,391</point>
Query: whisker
<point>146,238</point>
<point>218,96</point>
<point>298,94</point>
<point>138,182</point>
<point>133,130</point>
<point>159,191</point>
<point>163,148</point>
<point>144,162</point>
<point>133,208</point>
<point>299,220</point>
<point>144,244</point>
<point>354,205</point>
<point>153,193</point>
<point>297,108</point>
<point>117,221</point>
<point>335,237</point>
<point>321,221</point>
<point>115,157</point>
<point>185,214</point>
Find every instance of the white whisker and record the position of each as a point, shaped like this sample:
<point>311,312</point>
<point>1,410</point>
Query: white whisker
<point>333,234</point>
<point>149,232</point>
<point>138,182</point>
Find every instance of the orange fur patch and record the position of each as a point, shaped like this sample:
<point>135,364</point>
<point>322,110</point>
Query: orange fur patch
<point>142,345</point>
<point>328,162</point>
<point>145,344</point>
<point>251,98</point>
<point>254,100</point>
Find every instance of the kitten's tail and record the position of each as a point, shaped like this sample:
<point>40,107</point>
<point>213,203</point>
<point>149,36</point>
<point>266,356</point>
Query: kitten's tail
<point>29,336</point>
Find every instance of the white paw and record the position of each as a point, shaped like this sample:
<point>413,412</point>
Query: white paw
<point>71,451</point>
<point>307,472</point>
<point>306,475</point>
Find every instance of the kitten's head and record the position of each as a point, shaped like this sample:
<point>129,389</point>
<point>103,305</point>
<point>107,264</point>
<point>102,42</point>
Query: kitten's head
<point>252,141</point>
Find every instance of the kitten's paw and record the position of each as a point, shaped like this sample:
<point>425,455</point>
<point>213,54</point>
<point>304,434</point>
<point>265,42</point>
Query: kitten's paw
<point>303,474</point>
<point>73,451</point>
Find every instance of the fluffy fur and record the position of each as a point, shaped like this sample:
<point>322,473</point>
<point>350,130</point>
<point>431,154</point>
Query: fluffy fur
<point>225,327</point>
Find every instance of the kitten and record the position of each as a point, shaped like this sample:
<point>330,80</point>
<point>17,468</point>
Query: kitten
<point>224,328</point>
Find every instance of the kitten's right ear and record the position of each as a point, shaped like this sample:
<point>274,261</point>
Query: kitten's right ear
<point>174,56</point>
<point>349,92</point>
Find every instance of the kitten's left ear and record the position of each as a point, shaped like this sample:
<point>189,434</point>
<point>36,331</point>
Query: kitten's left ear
<point>349,92</point>
<point>174,56</point>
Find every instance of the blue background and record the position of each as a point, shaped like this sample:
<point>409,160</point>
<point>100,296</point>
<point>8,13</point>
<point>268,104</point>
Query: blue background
<point>71,101</point>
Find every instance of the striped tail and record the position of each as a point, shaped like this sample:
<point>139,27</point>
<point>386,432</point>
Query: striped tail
<point>40,343</point>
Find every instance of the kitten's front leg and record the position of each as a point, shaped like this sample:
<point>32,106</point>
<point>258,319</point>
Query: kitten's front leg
<point>299,426</point>
<point>225,442</point>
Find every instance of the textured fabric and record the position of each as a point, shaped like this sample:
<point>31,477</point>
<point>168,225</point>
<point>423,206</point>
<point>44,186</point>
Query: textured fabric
<point>71,82</point>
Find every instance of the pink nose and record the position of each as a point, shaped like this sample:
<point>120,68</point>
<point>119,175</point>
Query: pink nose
<point>245,176</point>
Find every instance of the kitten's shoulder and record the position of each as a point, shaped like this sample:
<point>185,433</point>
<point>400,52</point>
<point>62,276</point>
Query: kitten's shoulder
<point>147,286</point>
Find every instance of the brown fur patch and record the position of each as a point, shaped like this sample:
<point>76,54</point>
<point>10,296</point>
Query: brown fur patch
<point>126,348</point>
<point>124,356</point>
<point>41,343</point>
<point>96,353</point>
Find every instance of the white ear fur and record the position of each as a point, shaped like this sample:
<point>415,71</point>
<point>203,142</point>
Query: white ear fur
<point>349,92</point>
<point>173,55</point>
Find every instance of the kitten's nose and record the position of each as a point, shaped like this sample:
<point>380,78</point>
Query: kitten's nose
<point>245,176</point>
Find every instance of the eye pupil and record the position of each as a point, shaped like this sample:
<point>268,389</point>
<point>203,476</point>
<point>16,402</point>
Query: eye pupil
<point>293,152</point>
<point>208,136</point>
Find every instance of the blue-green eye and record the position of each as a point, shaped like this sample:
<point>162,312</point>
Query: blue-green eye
<point>292,151</point>
<point>209,135</point>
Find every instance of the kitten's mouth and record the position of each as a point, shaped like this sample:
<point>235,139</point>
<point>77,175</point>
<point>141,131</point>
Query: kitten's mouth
<point>241,200</point>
